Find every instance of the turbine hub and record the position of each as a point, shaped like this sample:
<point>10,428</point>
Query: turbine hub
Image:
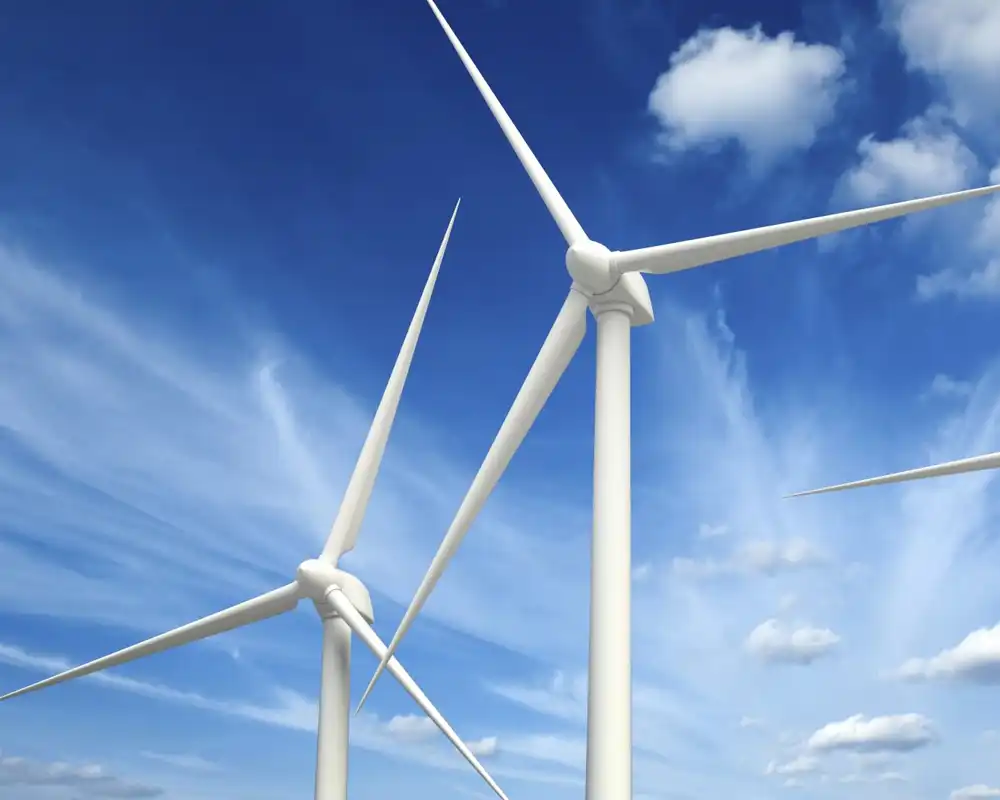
<point>318,578</point>
<point>589,265</point>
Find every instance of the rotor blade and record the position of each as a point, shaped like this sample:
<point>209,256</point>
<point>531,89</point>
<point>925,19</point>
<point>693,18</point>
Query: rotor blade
<point>571,229</point>
<point>974,464</point>
<point>697,252</point>
<point>558,350</point>
<point>344,532</point>
<point>266,605</point>
<point>367,634</point>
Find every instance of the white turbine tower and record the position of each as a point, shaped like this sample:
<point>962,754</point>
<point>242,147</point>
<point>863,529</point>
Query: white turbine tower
<point>963,465</point>
<point>342,601</point>
<point>611,286</point>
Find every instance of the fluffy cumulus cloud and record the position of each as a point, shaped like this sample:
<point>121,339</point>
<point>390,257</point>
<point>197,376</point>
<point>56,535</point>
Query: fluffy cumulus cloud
<point>926,158</point>
<point>899,733</point>
<point>955,43</point>
<point>769,94</point>
<point>976,659</point>
<point>771,641</point>
<point>92,781</point>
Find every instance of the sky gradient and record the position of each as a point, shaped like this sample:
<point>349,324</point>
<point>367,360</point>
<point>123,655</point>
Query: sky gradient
<point>215,222</point>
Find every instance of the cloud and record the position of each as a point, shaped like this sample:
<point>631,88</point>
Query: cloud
<point>91,780</point>
<point>900,733</point>
<point>411,728</point>
<point>167,455</point>
<point>954,43</point>
<point>706,531</point>
<point>761,557</point>
<point>409,737</point>
<point>974,792</point>
<point>946,386</point>
<point>801,765</point>
<point>926,159</point>
<point>771,95</point>
<point>486,747</point>
<point>771,641</point>
<point>976,659</point>
<point>182,761</point>
<point>979,283</point>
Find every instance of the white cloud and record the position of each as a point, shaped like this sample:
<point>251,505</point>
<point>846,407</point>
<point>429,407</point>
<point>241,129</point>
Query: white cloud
<point>771,641</point>
<point>94,402</point>
<point>411,728</point>
<point>956,43</point>
<point>409,737</point>
<point>926,159</point>
<point>706,531</point>
<point>771,95</point>
<point>977,276</point>
<point>773,556</point>
<point>975,659</point>
<point>800,765</point>
<point>182,761</point>
<point>761,557</point>
<point>981,282</point>
<point>974,792</point>
<point>89,780</point>
<point>486,747</point>
<point>946,386</point>
<point>902,732</point>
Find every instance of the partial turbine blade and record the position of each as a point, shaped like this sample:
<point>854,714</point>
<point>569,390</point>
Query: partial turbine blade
<point>266,605</point>
<point>344,532</point>
<point>367,634</point>
<point>697,252</point>
<point>558,350</point>
<point>571,229</point>
<point>974,464</point>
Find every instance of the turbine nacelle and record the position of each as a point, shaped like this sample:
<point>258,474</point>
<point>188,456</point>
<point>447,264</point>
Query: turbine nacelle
<point>317,579</point>
<point>592,267</point>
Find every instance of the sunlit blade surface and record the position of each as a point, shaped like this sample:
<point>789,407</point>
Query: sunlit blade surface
<point>571,229</point>
<point>696,252</point>
<point>989,461</point>
<point>344,532</point>
<point>558,350</point>
<point>266,605</point>
<point>367,634</point>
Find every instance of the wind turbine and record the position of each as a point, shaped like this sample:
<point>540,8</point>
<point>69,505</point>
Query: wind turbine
<point>342,601</point>
<point>610,284</point>
<point>963,465</point>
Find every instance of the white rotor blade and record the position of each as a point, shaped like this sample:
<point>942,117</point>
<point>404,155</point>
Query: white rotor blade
<point>571,229</point>
<point>697,252</point>
<point>344,532</point>
<point>367,634</point>
<point>974,464</point>
<point>558,350</point>
<point>266,605</point>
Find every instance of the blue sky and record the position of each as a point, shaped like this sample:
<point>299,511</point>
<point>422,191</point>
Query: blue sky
<point>216,217</point>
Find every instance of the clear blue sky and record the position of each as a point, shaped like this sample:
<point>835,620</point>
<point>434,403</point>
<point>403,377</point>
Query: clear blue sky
<point>216,214</point>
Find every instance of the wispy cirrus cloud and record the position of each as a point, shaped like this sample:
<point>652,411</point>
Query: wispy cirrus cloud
<point>264,458</point>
